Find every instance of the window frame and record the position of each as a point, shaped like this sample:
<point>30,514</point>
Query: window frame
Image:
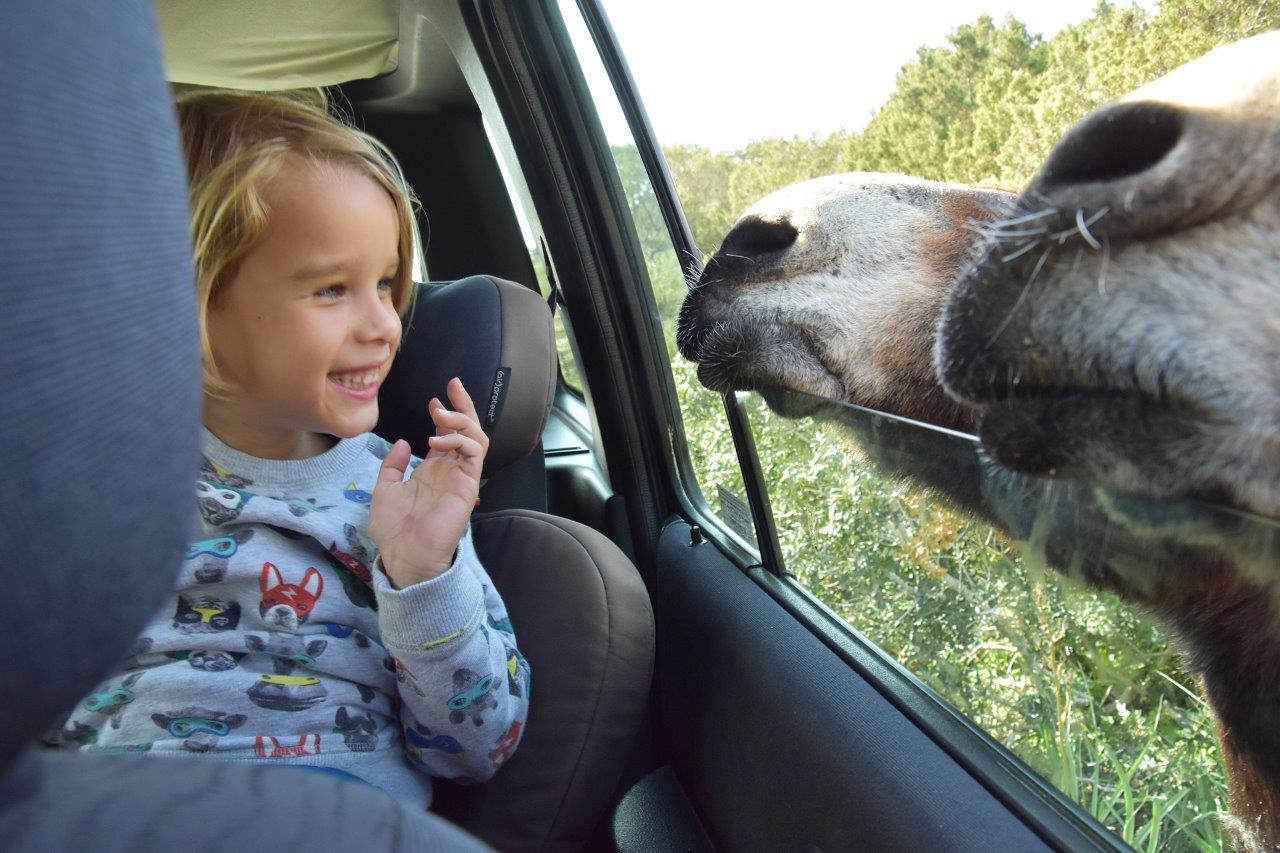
<point>564,159</point>
<point>1032,798</point>
<point>767,551</point>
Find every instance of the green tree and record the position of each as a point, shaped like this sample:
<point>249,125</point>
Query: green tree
<point>984,108</point>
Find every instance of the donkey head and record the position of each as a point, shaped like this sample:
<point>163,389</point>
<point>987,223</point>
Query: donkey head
<point>1119,326</point>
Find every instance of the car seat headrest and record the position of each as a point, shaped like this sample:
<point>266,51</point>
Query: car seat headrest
<point>99,356</point>
<point>496,336</point>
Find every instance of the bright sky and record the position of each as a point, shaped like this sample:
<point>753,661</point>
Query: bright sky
<point>722,73</point>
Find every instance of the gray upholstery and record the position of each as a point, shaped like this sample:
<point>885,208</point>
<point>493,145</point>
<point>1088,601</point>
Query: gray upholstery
<point>100,379</point>
<point>94,262</point>
<point>583,619</point>
<point>66,801</point>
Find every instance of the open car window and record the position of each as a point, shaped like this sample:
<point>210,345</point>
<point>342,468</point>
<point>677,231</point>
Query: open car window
<point>706,454</point>
<point>1024,607</point>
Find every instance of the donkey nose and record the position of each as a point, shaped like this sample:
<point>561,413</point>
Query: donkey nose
<point>1116,143</point>
<point>1132,169</point>
<point>754,236</point>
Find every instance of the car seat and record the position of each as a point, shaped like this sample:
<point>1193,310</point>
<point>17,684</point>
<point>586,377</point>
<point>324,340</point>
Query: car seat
<point>581,612</point>
<point>98,353</point>
<point>101,381</point>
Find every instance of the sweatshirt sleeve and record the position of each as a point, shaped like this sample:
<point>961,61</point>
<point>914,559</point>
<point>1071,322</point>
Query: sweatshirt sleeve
<point>463,683</point>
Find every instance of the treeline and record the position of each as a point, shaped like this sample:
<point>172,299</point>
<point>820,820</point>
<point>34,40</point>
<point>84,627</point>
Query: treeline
<point>984,109</point>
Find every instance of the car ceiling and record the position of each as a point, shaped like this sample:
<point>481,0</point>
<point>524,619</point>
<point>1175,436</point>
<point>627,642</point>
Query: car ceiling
<point>392,48</point>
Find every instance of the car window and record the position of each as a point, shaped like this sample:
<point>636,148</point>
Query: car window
<point>699,428</point>
<point>540,259</point>
<point>1083,687</point>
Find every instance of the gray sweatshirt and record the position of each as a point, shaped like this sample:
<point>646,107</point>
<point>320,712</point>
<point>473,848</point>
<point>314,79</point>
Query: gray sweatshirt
<point>285,642</point>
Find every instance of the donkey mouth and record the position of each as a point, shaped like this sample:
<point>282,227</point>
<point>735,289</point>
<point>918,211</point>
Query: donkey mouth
<point>764,356</point>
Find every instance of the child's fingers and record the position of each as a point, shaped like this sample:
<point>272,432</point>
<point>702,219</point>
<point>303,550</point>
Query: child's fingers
<point>394,463</point>
<point>447,421</point>
<point>459,421</point>
<point>463,445</point>
<point>460,399</point>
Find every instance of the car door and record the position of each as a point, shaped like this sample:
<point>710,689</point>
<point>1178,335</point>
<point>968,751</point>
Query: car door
<point>777,724</point>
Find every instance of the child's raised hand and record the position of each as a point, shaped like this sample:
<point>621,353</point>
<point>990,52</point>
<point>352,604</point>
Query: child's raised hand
<point>416,523</point>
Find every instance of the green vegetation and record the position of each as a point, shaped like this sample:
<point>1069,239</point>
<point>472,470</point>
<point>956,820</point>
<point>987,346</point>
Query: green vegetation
<point>1077,684</point>
<point>1081,687</point>
<point>983,109</point>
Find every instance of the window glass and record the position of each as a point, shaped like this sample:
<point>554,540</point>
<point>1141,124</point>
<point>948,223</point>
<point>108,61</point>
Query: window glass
<point>1082,686</point>
<point>701,417</point>
<point>570,373</point>
<point>532,234</point>
<point>1078,683</point>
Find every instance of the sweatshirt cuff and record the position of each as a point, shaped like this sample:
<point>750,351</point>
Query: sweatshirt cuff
<point>433,612</point>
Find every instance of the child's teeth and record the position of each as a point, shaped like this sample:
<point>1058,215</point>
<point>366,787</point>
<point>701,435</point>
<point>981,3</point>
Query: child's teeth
<point>357,381</point>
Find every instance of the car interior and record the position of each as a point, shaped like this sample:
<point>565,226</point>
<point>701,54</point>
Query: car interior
<point>685,696</point>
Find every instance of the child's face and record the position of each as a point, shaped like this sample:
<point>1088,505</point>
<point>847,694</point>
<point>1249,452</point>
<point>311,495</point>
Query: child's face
<point>306,330</point>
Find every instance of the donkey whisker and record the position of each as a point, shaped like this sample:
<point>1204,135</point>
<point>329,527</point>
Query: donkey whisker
<point>1084,225</point>
<point>1102,268</point>
<point>1029,217</point>
<point>1075,264</point>
<point>1026,288</point>
<point>1025,232</point>
<point>1027,247</point>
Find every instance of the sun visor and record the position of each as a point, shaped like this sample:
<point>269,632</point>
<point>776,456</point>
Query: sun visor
<point>284,44</point>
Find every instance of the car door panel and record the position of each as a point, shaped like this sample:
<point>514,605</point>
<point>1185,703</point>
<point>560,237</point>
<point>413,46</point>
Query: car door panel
<point>781,745</point>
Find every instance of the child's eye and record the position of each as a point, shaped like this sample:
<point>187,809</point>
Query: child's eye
<point>386,284</point>
<point>331,292</point>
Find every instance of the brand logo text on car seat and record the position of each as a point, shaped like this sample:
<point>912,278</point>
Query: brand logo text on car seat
<point>501,381</point>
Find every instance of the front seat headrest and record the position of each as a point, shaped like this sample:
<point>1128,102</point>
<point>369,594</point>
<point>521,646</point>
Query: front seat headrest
<point>99,356</point>
<point>496,336</point>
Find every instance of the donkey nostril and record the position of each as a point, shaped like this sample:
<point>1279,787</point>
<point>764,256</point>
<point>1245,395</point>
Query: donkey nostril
<point>1116,142</point>
<point>756,236</point>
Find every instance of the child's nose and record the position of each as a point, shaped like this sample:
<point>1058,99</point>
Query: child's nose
<point>379,322</point>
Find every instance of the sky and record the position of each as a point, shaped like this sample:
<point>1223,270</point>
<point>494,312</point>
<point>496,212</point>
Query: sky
<point>722,73</point>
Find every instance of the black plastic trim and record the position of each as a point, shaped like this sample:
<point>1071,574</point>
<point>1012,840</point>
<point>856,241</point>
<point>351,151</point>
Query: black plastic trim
<point>567,164</point>
<point>655,163</point>
<point>757,491</point>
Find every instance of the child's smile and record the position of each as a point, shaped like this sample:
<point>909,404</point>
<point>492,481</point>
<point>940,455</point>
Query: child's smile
<point>307,328</point>
<point>360,384</point>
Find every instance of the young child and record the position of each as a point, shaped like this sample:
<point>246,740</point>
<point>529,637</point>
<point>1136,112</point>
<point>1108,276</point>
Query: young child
<point>332,611</point>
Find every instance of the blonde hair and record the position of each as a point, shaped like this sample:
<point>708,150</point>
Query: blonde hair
<point>234,143</point>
